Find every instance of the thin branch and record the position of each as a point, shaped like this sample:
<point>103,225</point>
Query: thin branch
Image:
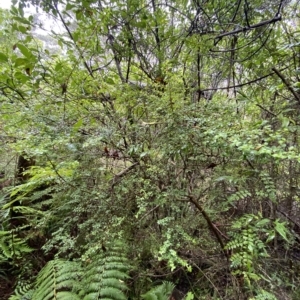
<point>241,47</point>
<point>149,212</point>
<point>111,41</point>
<point>210,224</point>
<point>246,7</point>
<point>244,29</point>
<point>242,84</point>
<point>156,30</point>
<point>282,2</point>
<point>287,84</point>
<point>129,61</point>
<point>249,163</point>
<point>72,38</point>
<point>236,10</point>
<point>288,217</point>
<point>266,110</point>
<point>253,53</point>
<point>103,67</point>
<point>122,174</point>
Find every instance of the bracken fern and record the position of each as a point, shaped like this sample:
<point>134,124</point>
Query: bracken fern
<point>57,280</point>
<point>161,292</point>
<point>101,278</point>
<point>105,274</point>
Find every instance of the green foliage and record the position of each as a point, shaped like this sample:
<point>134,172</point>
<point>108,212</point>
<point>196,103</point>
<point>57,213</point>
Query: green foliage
<point>264,295</point>
<point>269,186</point>
<point>189,296</point>
<point>166,251</point>
<point>12,247</point>
<point>160,292</point>
<point>57,279</point>
<point>22,292</point>
<point>249,247</point>
<point>282,229</point>
<point>102,276</point>
<point>105,273</point>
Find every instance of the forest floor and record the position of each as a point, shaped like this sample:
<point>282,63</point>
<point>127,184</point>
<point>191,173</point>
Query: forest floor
<point>6,288</point>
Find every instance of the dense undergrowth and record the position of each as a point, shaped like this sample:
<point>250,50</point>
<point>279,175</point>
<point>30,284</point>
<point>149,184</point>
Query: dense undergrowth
<point>154,155</point>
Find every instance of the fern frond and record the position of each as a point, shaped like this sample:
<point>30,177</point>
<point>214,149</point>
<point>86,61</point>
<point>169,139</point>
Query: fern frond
<point>57,280</point>
<point>115,274</point>
<point>161,292</point>
<point>106,274</point>
<point>26,210</point>
<point>12,246</point>
<point>22,292</point>
<point>112,293</point>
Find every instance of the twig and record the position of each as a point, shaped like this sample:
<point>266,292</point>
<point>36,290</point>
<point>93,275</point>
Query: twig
<point>72,38</point>
<point>244,29</point>
<point>287,84</point>
<point>289,218</point>
<point>242,84</point>
<point>210,224</point>
<point>57,173</point>
<point>266,110</point>
<point>121,174</point>
<point>149,212</point>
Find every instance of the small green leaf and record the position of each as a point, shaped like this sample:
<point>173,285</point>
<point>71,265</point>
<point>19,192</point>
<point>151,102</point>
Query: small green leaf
<point>281,229</point>
<point>60,43</point>
<point>250,247</point>
<point>189,296</point>
<point>69,6</point>
<point>76,36</point>
<point>22,20</point>
<point>22,77</point>
<point>253,276</point>
<point>23,29</point>
<point>20,62</point>
<point>271,237</point>
<point>77,125</point>
<point>262,222</point>
<point>285,122</point>
<point>297,85</point>
<point>58,66</point>
<point>143,154</point>
<point>109,80</point>
<point>3,57</point>
<point>24,50</point>
<point>78,15</point>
